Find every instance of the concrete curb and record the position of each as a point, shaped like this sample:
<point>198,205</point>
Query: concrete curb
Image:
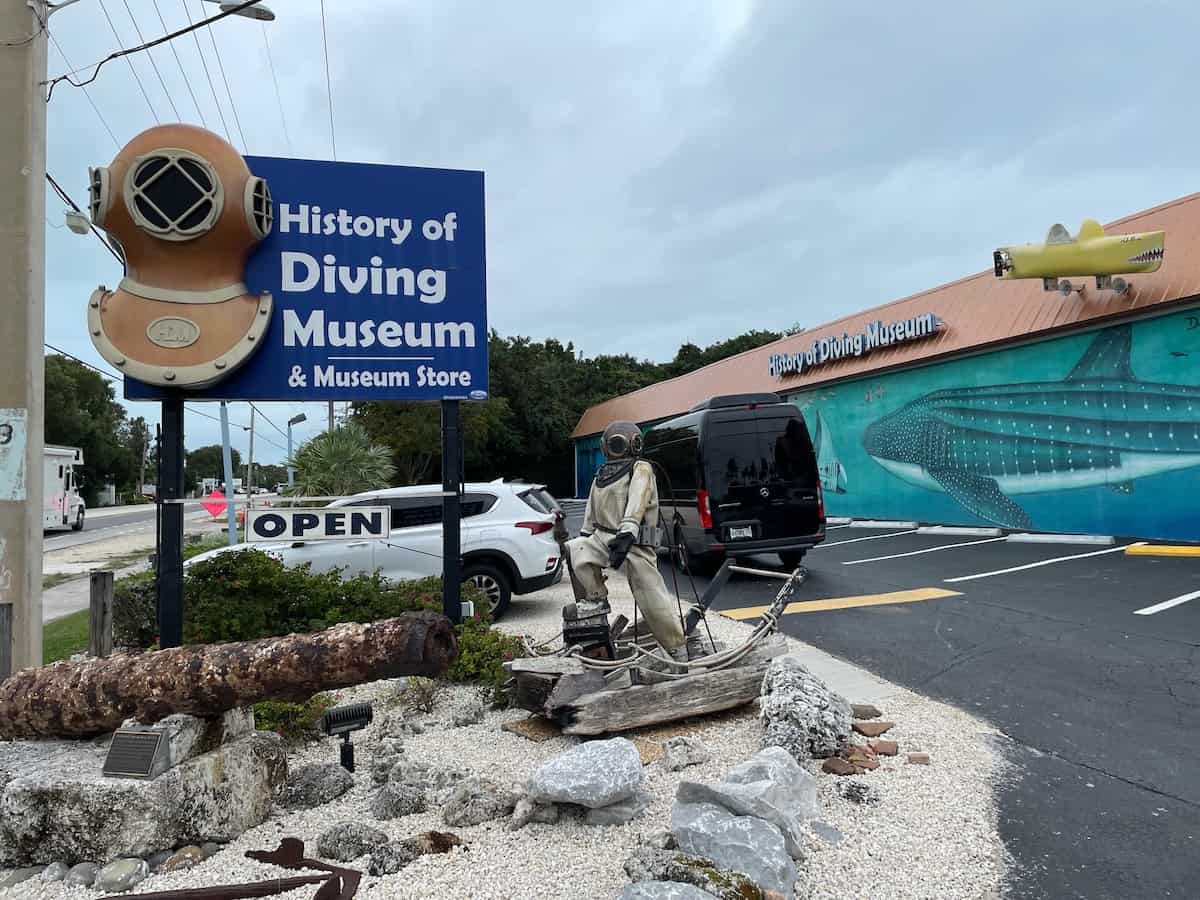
<point>1097,540</point>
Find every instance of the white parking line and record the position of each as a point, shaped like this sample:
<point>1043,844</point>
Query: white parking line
<point>1166,604</point>
<point>1043,562</point>
<point>873,537</point>
<point>859,562</point>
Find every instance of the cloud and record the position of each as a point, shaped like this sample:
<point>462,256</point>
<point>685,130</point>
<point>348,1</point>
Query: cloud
<point>657,175</point>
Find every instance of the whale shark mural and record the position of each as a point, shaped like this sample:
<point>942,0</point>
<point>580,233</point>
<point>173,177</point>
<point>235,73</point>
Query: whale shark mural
<point>829,467</point>
<point>1099,426</point>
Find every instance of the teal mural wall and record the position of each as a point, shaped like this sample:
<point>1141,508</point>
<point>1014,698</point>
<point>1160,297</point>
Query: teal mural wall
<point>1096,432</point>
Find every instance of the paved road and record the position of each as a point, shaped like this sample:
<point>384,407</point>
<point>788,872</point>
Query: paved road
<point>103,524</point>
<point>1099,704</point>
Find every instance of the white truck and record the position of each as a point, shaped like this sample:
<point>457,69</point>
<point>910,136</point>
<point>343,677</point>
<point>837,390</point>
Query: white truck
<point>62,507</point>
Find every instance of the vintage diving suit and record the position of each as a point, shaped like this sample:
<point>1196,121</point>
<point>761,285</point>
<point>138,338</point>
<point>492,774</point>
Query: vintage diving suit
<point>621,527</point>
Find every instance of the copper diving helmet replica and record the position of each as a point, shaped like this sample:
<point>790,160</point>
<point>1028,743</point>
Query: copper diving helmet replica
<point>186,213</point>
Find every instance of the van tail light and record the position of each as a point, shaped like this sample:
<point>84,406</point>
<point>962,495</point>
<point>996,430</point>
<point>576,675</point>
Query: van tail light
<point>820,504</point>
<point>536,527</point>
<point>703,507</point>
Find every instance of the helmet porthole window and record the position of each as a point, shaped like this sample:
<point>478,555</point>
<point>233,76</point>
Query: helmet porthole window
<point>173,194</point>
<point>260,214</point>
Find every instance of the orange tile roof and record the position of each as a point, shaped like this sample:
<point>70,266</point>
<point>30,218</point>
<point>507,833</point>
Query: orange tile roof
<point>978,311</point>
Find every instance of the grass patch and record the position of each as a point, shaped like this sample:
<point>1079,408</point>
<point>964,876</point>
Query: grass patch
<point>65,636</point>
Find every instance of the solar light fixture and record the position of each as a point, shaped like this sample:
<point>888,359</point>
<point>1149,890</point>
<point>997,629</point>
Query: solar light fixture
<point>343,720</point>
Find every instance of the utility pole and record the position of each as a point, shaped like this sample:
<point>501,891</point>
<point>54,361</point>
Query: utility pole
<point>22,329</point>
<point>250,463</point>
<point>331,415</point>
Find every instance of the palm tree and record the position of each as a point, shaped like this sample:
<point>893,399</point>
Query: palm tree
<point>342,462</point>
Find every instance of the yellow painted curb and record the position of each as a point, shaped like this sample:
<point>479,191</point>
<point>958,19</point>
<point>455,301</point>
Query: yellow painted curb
<point>1160,550</point>
<point>803,606</point>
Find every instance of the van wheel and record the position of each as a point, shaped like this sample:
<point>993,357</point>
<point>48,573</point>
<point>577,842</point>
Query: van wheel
<point>78,526</point>
<point>493,583</point>
<point>791,559</point>
<point>689,564</point>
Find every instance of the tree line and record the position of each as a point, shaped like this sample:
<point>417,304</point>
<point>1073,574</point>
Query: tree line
<point>538,392</point>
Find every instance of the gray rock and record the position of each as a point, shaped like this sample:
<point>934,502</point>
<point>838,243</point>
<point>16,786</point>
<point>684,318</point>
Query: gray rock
<point>210,849</point>
<point>396,799</point>
<point>437,782</point>
<point>315,784</point>
<point>619,813</point>
<point>190,736</point>
<point>391,745</point>
<point>64,809</point>
<point>478,800</point>
<point>388,859</point>
<point>827,833</point>
<point>593,774</point>
<point>412,728</point>
<point>156,859</point>
<point>858,791</point>
<point>663,890</point>
<point>650,864</point>
<point>682,751</point>
<point>121,875</point>
<point>659,840</point>
<point>20,876</point>
<point>347,841</point>
<point>469,712</point>
<point>739,843</point>
<point>801,714</point>
<point>184,858</point>
<point>382,764</point>
<point>56,871</point>
<point>770,785</point>
<point>82,874</point>
<point>527,811</point>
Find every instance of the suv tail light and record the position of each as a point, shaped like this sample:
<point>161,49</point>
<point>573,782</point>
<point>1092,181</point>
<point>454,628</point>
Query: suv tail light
<point>536,527</point>
<point>820,504</point>
<point>703,508</point>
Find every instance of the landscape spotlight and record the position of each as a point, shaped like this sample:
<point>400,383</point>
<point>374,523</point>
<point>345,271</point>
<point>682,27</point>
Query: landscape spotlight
<point>343,720</point>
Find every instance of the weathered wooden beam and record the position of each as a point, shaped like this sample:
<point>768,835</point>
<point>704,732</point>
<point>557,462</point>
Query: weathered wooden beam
<point>97,695</point>
<point>546,665</point>
<point>100,628</point>
<point>533,690</point>
<point>611,711</point>
<point>568,687</point>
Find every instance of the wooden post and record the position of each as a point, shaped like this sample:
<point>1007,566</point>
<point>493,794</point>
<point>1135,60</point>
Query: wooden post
<point>6,620</point>
<point>100,630</point>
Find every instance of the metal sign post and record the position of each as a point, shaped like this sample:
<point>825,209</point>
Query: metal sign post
<point>451,518</point>
<point>170,496</point>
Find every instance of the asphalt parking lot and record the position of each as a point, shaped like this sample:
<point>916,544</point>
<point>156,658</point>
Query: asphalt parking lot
<point>1085,655</point>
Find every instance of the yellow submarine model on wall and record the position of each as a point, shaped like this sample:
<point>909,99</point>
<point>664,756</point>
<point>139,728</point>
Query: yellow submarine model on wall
<point>1091,252</point>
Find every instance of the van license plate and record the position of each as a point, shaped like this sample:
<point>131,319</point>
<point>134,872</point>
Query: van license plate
<point>744,532</point>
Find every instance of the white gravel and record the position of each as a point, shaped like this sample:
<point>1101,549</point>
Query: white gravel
<point>931,836</point>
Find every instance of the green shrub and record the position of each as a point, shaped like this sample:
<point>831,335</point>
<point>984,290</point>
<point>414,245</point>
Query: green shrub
<point>135,611</point>
<point>292,721</point>
<point>482,652</point>
<point>421,694</point>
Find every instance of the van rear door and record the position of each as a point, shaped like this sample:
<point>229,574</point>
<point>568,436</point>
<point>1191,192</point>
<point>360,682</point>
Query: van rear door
<point>760,470</point>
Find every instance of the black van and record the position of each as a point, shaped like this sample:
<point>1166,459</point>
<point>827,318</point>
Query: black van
<point>737,475</point>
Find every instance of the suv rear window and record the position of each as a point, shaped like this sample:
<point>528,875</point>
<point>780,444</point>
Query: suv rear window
<point>750,451</point>
<point>540,499</point>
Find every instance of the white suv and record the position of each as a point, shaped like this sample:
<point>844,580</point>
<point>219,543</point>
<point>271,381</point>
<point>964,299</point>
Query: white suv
<point>508,544</point>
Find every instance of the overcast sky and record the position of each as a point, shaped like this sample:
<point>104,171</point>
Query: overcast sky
<point>662,172</point>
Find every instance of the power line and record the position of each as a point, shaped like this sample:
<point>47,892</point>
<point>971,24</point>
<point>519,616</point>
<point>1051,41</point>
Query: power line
<point>112,376</point>
<point>187,81</point>
<point>86,92</point>
<point>328,83</point>
<point>132,70</point>
<point>153,64</point>
<point>33,37</point>
<point>207,74</point>
<point>75,206</point>
<point>269,422</point>
<point>221,65</point>
<point>278,98</point>
<point>117,54</point>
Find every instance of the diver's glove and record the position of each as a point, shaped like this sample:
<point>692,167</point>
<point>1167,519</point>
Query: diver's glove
<point>618,549</point>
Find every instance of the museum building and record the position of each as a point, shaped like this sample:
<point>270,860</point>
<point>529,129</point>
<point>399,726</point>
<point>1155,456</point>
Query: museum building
<point>989,401</point>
